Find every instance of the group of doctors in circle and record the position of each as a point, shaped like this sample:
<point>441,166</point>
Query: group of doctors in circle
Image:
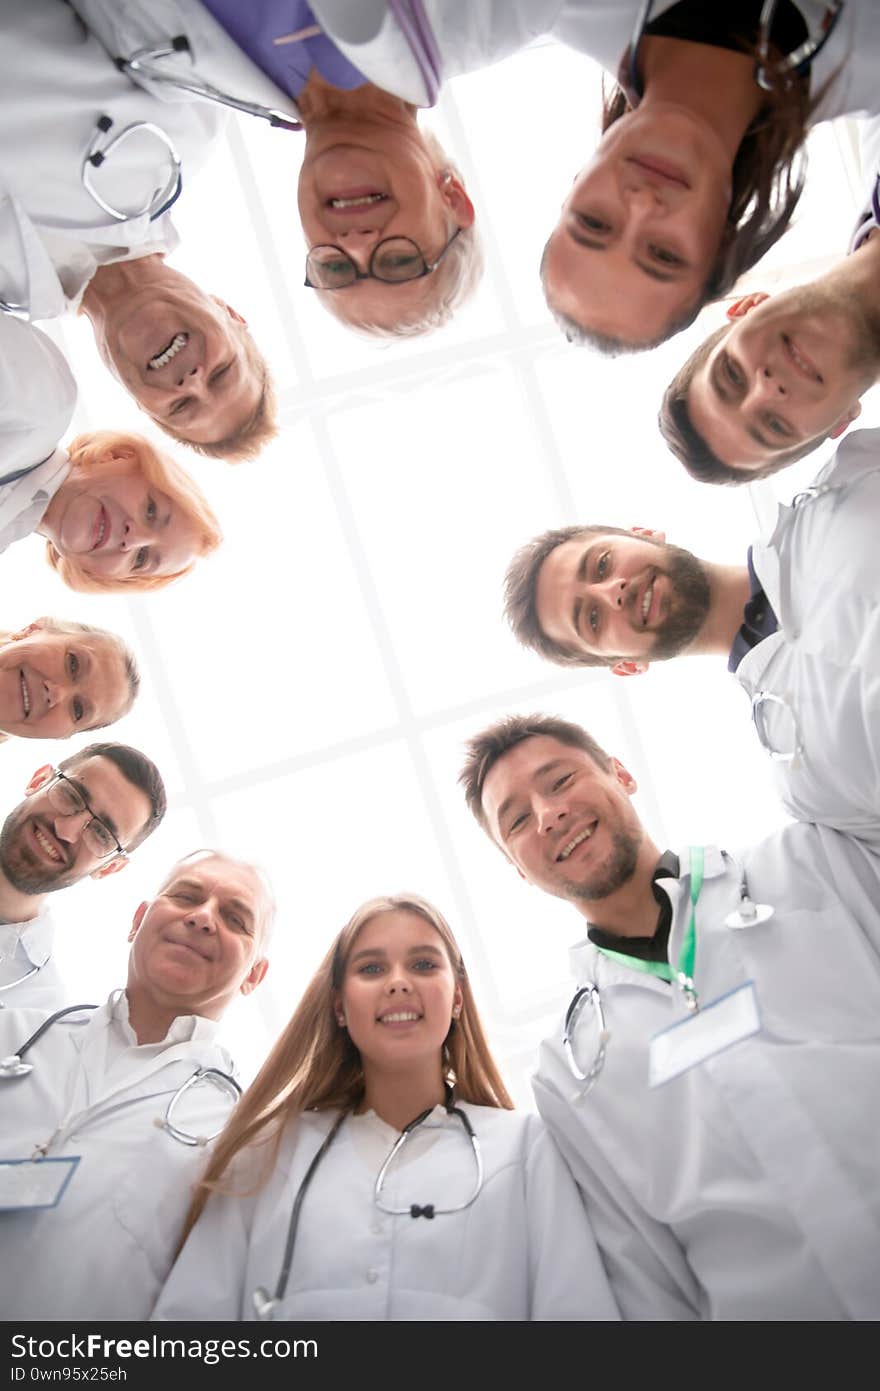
<point>707,1146</point>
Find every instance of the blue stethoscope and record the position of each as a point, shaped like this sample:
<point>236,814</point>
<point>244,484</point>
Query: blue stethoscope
<point>266,1306</point>
<point>793,65</point>
<point>13,1067</point>
<point>746,914</point>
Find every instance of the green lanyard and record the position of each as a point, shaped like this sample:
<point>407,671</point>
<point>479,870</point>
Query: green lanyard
<point>684,976</point>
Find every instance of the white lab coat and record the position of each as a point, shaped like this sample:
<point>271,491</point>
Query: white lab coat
<point>37,395</point>
<point>869,152</point>
<point>105,1250</point>
<point>820,570</point>
<point>57,81</point>
<point>523,1250</point>
<point>26,948</point>
<point>23,503</point>
<point>747,1187</point>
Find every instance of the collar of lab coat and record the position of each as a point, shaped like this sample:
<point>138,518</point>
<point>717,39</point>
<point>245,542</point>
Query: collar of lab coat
<point>34,937</point>
<point>184,1029</point>
<point>589,964</point>
<point>215,58</point>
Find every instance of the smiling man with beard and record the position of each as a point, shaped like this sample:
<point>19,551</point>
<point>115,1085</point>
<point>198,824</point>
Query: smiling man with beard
<point>134,1090</point>
<point>799,624</point>
<point>713,1085</point>
<point>82,819</point>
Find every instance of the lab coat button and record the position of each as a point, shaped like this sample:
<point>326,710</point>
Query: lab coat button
<point>372,1276</point>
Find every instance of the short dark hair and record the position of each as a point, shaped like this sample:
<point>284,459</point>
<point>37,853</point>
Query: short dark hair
<point>521,591</point>
<point>686,442</point>
<point>137,769</point>
<point>485,749</point>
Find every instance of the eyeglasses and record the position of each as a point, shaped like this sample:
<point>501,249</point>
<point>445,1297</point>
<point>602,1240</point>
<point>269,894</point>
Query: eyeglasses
<point>66,799</point>
<point>395,261</point>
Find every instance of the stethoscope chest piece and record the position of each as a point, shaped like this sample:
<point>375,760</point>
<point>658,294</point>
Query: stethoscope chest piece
<point>13,1067</point>
<point>749,914</point>
<point>264,1305</point>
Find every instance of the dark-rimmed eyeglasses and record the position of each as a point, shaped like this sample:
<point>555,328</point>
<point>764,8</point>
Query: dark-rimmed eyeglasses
<point>67,800</point>
<point>395,261</point>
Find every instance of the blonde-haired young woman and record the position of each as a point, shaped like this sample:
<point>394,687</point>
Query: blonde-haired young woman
<point>375,1168</point>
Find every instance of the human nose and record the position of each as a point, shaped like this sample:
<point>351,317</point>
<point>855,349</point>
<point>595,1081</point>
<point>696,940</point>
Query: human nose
<point>549,813</point>
<point>71,825</point>
<point>53,692</point>
<point>643,199</point>
<point>397,981</point>
<point>610,591</point>
<point>768,384</point>
<point>135,533</point>
<point>201,917</point>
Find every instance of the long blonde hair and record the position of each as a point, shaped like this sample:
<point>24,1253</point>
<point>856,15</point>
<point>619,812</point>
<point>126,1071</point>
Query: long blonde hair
<point>314,1066</point>
<point>90,454</point>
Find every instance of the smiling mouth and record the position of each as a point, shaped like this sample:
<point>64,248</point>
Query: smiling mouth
<point>577,840</point>
<point>47,847</point>
<point>168,353</point>
<point>25,695</point>
<point>101,531</point>
<point>670,173</point>
<point>802,363</point>
<point>403,1016</point>
<point>647,600</point>
<point>358,200</point>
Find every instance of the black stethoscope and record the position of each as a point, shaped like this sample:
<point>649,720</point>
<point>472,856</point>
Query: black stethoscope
<point>13,1067</point>
<point>793,65</point>
<point>746,914</point>
<point>265,1305</point>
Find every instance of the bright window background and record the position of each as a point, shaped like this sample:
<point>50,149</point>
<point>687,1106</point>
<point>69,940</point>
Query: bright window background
<point>307,692</point>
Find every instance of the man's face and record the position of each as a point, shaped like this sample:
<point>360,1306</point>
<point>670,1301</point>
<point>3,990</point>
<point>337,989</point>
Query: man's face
<point>42,850</point>
<point>640,230</point>
<point>198,943</point>
<point>361,185</point>
<point>183,357</point>
<point>54,684</point>
<point>790,369</point>
<point>624,598</point>
<point>567,824</point>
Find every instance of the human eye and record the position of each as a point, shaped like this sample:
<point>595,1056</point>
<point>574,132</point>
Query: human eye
<point>141,556</point>
<point>517,823</point>
<point>593,619</point>
<point>236,920</point>
<point>180,405</point>
<point>73,665</point>
<point>78,710</point>
<point>220,373</point>
<point>732,371</point>
<point>66,800</point>
<point>602,565</point>
<point>102,836</point>
<point>369,968</point>
<point>561,781</point>
<point>425,964</point>
<point>777,426</point>
<point>592,223</point>
<point>151,510</point>
<point>665,256</point>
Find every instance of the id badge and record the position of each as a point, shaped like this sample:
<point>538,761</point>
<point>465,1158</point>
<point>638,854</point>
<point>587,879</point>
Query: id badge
<point>716,1026</point>
<point>34,1183</point>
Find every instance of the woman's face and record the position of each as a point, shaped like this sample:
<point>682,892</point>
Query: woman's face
<point>640,230</point>
<point>56,684</point>
<point>116,524</point>
<point>399,991</point>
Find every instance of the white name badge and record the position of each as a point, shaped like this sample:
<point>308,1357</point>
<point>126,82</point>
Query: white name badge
<point>714,1027</point>
<point>34,1183</point>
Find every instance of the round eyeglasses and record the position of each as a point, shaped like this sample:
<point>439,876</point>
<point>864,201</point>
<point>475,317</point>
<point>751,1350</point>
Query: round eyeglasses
<point>395,261</point>
<point>65,798</point>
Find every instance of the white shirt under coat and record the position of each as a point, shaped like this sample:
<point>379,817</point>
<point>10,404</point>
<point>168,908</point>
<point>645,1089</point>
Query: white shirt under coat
<point>820,570</point>
<point>29,977</point>
<point>104,1252</point>
<point>57,81</point>
<point>746,1188</point>
<point>523,1250</point>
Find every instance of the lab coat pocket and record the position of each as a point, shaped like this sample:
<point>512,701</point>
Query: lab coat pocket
<point>817,977</point>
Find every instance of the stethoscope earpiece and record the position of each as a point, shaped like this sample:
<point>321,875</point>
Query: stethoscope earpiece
<point>12,1067</point>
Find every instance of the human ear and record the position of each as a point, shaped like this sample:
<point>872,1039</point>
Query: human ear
<point>845,421</point>
<point>254,976</point>
<point>454,195</point>
<point>626,780</point>
<point>457,1001</point>
<point>39,779</point>
<point>741,307</point>
<point>648,531</point>
<point>137,920</point>
<point>629,668</point>
<point>35,627</point>
<point>111,867</point>
<point>233,313</point>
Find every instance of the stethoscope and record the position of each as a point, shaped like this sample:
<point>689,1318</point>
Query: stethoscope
<point>746,914</point>
<point>13,1067</point>
<point>161,199</point>
<point>792,65</point>
<point>266,1305</point>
